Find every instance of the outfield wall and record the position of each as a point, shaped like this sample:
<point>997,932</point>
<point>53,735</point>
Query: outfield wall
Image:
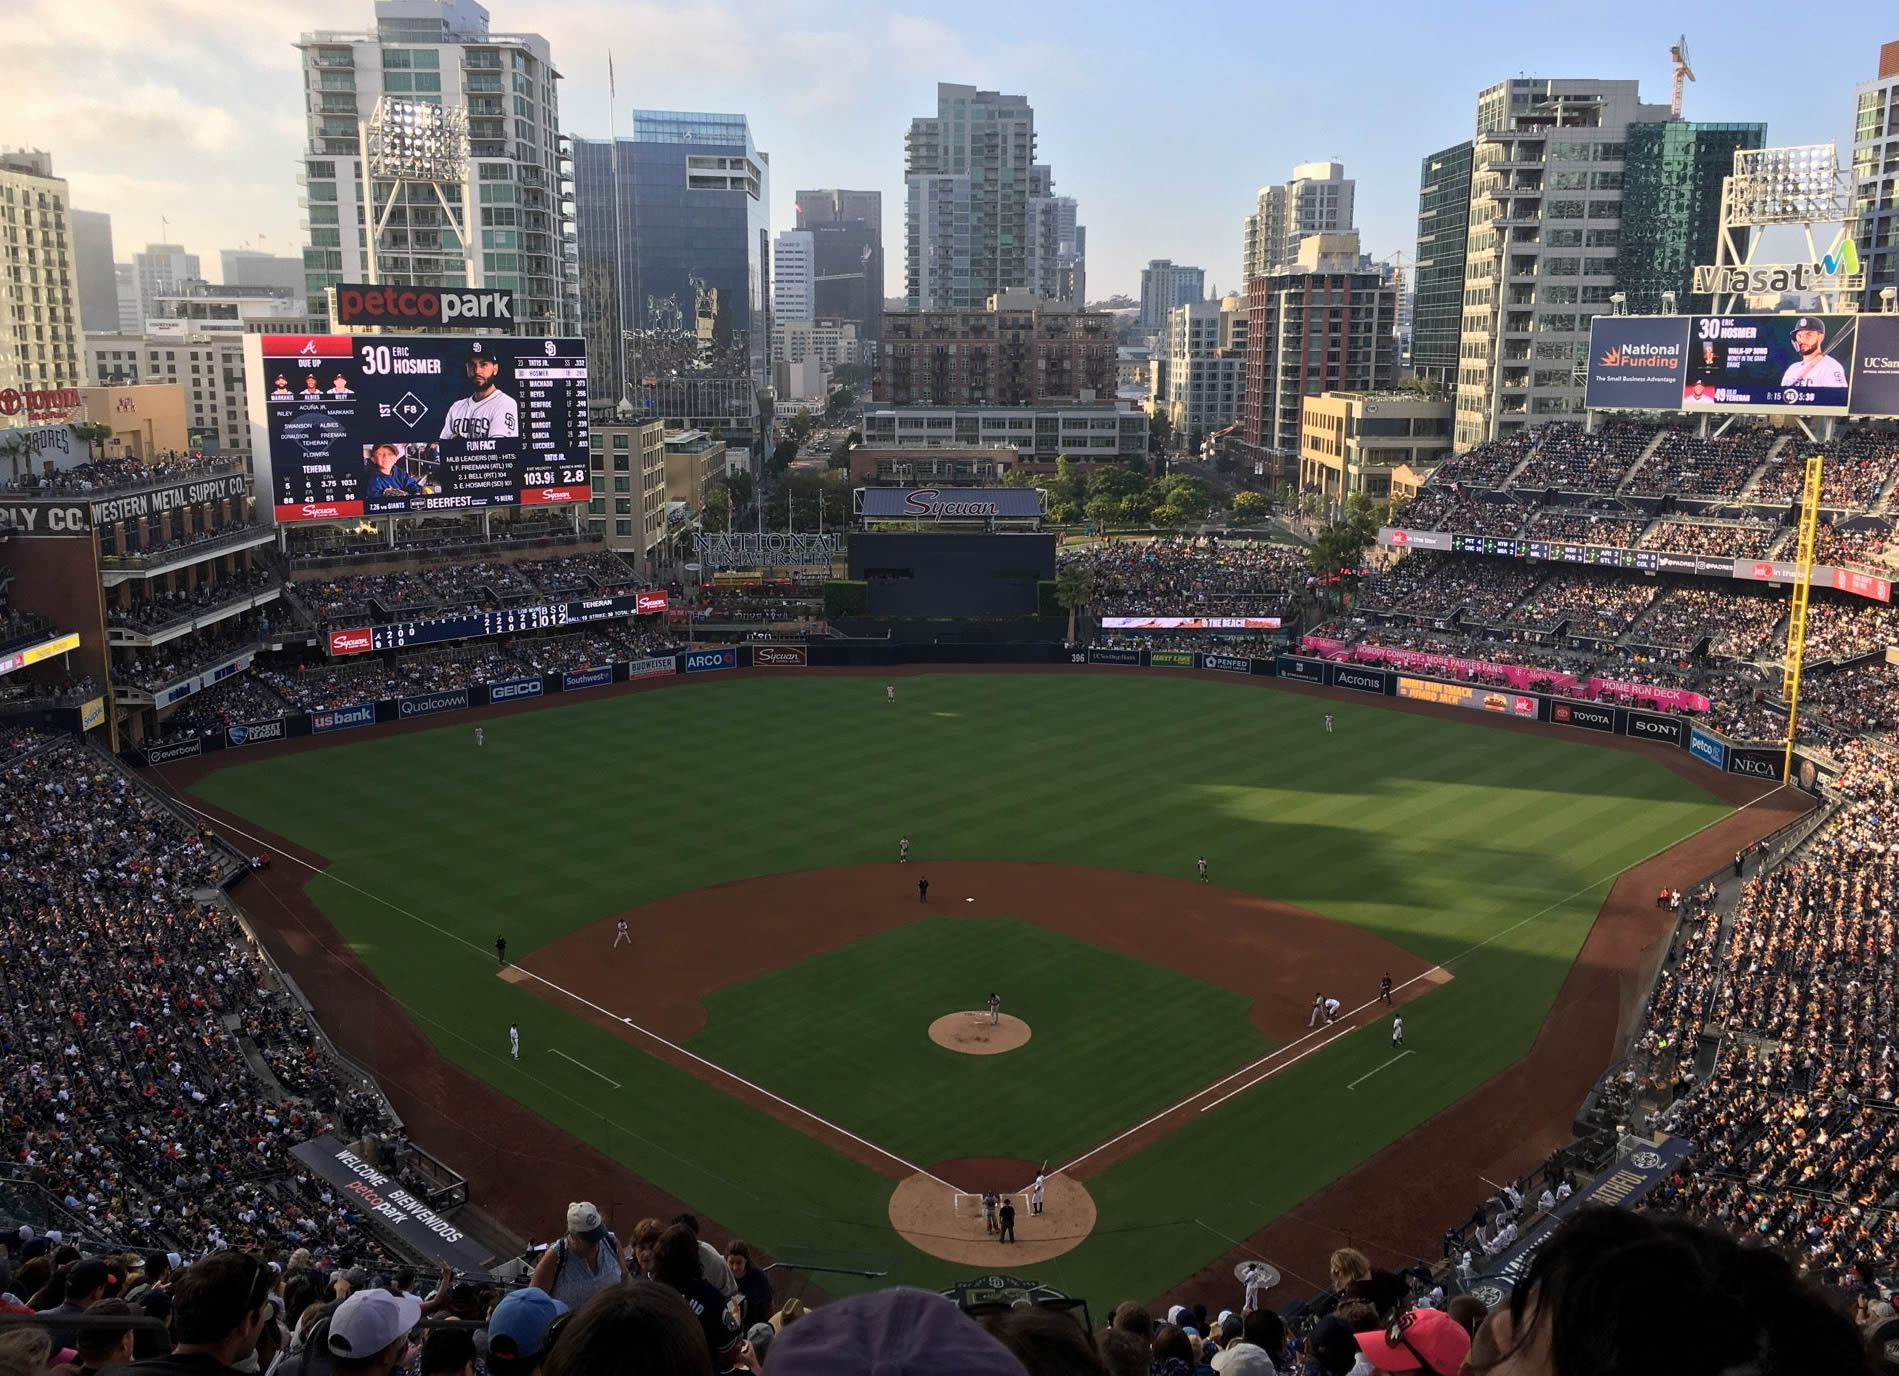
<point>1570,714</point>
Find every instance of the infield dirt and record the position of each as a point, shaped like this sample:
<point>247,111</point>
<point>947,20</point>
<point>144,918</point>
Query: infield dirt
<point>1395,1206</point>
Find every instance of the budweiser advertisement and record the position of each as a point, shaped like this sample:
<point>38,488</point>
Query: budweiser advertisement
<point>407,424</point>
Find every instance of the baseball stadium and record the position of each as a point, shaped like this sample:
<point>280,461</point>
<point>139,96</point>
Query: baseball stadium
<point>1209,929</point>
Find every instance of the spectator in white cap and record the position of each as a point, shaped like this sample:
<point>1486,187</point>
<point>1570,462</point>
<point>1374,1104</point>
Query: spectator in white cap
<point>369,1333</point>
<point>584,1262</point>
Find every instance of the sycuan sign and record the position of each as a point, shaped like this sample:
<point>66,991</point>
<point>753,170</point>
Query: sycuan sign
<point>964,504</point>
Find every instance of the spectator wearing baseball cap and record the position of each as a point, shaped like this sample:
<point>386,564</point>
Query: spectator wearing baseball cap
<point>585,1261</point>
<point>369,1332</point>
<point>219,1307</point>
<point>518,1331</point>
<point>86,1284</point>
<point>1426,1340</point>
<point>901,1332</point>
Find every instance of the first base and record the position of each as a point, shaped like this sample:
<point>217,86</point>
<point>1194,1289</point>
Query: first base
<point>969,900</point>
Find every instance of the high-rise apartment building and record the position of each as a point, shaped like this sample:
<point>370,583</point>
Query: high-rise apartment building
<point>1164,285</point>
<point>1021,350</point>
<point>92,267</point>
<point>125,286</point>
<point>40,332</point>
<point>967,180</point>
<point>1318,200</point>
<point>1438,271</point>
<point>1321,323</point>
<point>1205,369</point>
<point>1058,246</point>
<point>161,270</point>
<point>688,251</point>
<point>501,224</point>
<point>1876,175</point>
<point>1671,208</point>
<point>207,368</point>
<point>847,254</point>
<point>794,278</point>
<point>244,267</point>
<point>1548,167</point>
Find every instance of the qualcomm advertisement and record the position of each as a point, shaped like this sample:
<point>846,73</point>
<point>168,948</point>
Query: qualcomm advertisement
<point>704,661</point>
<point>428,704</point>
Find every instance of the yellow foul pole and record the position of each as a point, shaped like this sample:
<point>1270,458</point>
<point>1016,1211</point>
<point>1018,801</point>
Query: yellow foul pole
<point>1797,618</point>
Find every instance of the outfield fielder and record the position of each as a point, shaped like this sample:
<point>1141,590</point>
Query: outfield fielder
<point>514,1041</point>
<point>621,935</point>
<point>1328,723</point>
<point>1203,869</point>
<point>890,692</point>
<point>480,739</point>
<point>903,850</point>
<point>1397,1031</point>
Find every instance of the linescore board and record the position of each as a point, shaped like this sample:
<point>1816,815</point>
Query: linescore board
<point>374,425</point>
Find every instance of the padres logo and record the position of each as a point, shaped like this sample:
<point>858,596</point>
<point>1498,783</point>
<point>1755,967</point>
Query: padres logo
<point>1646,1160</point>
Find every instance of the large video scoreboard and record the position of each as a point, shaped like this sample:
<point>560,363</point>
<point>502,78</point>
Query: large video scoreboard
<point>374,425</point>
<point>1817,365</point>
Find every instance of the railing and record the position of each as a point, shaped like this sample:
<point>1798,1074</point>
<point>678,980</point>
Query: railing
<point>191,550</point>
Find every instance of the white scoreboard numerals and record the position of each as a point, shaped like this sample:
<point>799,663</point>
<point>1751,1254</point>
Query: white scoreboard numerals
<point>375,360</point>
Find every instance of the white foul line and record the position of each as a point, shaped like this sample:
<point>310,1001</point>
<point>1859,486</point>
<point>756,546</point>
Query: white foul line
<point>1368,1074</point>
<point>582,1064</point>
<point>588,1003</point>
<point>1267,1075</point>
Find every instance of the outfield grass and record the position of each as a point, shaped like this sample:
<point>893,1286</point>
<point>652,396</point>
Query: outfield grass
<point>1438,835</point>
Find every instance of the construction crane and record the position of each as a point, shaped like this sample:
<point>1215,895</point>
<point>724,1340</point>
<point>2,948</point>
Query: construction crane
<point>1683,72</point>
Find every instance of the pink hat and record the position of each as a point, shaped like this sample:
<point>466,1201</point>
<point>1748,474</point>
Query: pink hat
<point>1418,1340</point>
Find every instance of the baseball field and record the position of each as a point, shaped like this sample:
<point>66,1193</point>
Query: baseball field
<point>760,1044</point>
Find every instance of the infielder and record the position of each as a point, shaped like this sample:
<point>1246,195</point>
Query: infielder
<point>995,1009</point>
<point>1318,1010</point>
<point>621,935</point>
<point>480,738</point>
<point>1331,1011</point>
<point>1328,723</point>
<point>1203,869</point>
<point>1397,1031</point>
<point>903,850</point>
<point>514,1041</point>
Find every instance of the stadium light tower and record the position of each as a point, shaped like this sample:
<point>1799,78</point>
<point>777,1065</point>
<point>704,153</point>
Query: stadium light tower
<point>1801,187</point>
<point>414,143</point>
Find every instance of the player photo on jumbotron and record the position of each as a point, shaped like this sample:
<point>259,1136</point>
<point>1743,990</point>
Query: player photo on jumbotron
<point>395,473</point>
<point>486,412</point>
<point>1769,363</point>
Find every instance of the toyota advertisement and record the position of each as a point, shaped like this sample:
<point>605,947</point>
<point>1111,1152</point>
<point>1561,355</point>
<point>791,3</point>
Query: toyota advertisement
<point>369,426</point>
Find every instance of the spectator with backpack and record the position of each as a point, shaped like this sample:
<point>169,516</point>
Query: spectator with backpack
<point>583,1262</point>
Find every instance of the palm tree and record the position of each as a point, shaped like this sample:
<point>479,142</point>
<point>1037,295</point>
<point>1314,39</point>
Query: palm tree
<point>1074,585</point>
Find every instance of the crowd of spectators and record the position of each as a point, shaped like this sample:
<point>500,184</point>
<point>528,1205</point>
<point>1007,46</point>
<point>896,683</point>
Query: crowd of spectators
<point>1737,621</point>
<point>104,475</point>
<point>1616,529</point>
<point>449,588</point>
<point>325,687</point>
<point>1849,626</point>
<point>1486,464</point>
<point>346,601</point>
<point>153,667</point>
<point>1865,544</point>
<point>236,701</point>
<point>1860,701</point>
<point>429,534</point>
<point>125,1009</point>
<point>481,586</point>
<point>1859,465</point>
<point>163,607</point>
<point>1717,540</point>
<point>1596,605</point>
<point>1185,576</point>
<point>1697,466</point>
<point>17,626</point>
<point>1437,586</point>
<point>109,552</point>
<point>1570,458</point>
<point>579,574</point>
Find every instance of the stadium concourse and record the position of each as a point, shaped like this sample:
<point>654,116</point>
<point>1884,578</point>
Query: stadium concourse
<point>157,1073</point>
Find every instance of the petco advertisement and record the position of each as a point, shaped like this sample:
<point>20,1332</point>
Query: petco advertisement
<point>1707,747</point>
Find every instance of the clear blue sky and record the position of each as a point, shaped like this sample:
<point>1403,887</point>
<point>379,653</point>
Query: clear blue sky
<point>1162,120</point>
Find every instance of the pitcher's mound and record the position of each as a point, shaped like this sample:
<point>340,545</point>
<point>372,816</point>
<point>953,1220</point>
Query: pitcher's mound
<point>974,1035</point>
<point>932,1216</point>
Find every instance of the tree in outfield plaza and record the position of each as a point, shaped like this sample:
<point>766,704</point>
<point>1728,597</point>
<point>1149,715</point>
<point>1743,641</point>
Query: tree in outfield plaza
<point>841,456</point>
<point>1184,497</point>
<point>849,375</point>
<point>1160,433</point>
<point>1115,493</point>
<point>1341,544</point>
<point>807,490</point>
<point>839,402</point>
<point>716,514</point>
<point>739,488</point>
<point>1074,585</point>
<point>800,426</point>
<point>781,456</point>
<point>1250,506</point>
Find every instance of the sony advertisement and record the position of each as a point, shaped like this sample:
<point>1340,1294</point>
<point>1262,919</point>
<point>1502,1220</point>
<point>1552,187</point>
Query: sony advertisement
<point>366,426</point>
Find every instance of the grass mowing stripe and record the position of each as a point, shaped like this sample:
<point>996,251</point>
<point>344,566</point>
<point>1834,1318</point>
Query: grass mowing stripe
<point>1436,834</point>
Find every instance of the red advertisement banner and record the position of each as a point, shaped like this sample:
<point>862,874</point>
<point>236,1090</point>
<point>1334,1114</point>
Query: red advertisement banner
<point>550,496</point>
<point>311,346</point>
<point>649,602</point>
<point>352,642</point>
<point>318,511</point>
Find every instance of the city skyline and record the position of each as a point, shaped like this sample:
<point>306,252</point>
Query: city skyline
<point>148,136</point>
